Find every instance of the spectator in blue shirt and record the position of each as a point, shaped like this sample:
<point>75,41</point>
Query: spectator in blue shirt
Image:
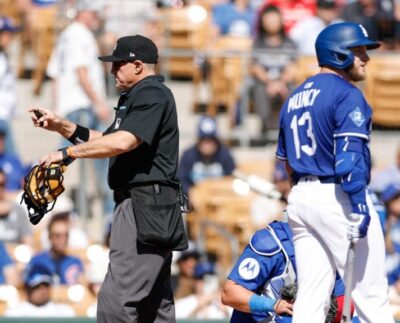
<point>11,164</point>
<point>65,269</point>
<point>235,18</point>
<point>8,271</point>
<point>208,158</point>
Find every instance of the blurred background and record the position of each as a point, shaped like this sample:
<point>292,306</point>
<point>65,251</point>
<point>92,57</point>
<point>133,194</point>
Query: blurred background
<point>230,65</point>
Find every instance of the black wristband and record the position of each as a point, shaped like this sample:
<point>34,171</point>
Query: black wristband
<point>81,134</point>
<point>66,159</point>
<point>64,153</point>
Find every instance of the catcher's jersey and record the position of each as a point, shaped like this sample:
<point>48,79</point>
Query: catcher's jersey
<point>324,107</point>
<point>265,271</point>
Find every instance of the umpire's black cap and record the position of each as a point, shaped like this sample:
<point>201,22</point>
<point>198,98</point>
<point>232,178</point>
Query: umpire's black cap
<point>132,48</point>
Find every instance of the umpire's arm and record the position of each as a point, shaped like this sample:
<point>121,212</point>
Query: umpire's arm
<point>50,121</point>
<point>108,145</point>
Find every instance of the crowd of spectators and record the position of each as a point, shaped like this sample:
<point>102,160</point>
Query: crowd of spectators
<point>57,251</point>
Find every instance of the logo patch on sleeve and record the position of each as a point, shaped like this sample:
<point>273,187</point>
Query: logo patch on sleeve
<point>357,117</point>
<point>249,268</point>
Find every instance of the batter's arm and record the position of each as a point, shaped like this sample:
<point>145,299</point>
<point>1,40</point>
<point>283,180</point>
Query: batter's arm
<point>353,169</point>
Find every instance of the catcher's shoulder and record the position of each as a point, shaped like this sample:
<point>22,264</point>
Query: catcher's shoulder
<point>265,242</point>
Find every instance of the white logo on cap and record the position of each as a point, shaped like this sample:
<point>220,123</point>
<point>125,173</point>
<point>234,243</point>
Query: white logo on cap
<point>364,31</point>
<point>208,126</point>
<point>131,54</point>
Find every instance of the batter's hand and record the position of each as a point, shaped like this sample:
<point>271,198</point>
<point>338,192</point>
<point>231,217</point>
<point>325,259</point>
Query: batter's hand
<point>283,307</point>
<point>45,119</point>
<point>54,157</point>
<point>358,226</point>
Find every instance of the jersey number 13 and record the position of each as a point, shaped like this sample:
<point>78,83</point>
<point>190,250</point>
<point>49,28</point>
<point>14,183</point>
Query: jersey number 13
<point>299,124</point>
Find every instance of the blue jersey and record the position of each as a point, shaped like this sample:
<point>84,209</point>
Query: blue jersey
<point>65,270</point>
<point>323,108</point>
<point>5,261</point>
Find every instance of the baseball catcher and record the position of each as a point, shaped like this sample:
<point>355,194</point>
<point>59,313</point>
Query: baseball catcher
<point>42,187</point>
<point>262,286</point>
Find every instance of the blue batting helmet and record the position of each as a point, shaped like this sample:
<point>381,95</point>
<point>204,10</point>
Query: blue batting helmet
<point>334,42</point>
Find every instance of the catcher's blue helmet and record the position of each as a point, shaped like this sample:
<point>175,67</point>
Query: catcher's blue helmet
<point>333,43</point>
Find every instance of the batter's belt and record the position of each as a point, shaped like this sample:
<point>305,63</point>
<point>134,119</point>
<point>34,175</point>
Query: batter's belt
<point>321,179</point>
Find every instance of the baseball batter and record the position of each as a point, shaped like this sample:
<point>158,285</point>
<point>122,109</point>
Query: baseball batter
<point>325,126</point>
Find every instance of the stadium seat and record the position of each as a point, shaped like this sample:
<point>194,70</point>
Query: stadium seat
<point>183,34</point>
<point>41,37</point>
<point>220,214</point>
<point>228,65</point>
<point>383,89</point>
<point>78,297</point>
<point>306,66</point>
<point>10,9</point>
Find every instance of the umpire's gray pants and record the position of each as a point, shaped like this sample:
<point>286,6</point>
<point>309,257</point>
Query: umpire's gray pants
<point>137,286</point>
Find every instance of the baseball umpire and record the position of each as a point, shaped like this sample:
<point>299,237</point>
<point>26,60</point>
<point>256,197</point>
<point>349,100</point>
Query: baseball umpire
<point>142,143</point>
<point>325,126</point>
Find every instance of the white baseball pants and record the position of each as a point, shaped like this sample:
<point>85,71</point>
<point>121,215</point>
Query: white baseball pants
<point>317,214</point>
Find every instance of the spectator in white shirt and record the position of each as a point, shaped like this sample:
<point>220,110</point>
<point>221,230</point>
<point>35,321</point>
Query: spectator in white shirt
<point>8,85</point>
<point>305,32</point>
<point>79,82</point>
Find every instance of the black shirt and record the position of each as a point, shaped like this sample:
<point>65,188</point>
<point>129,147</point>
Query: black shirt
<point>148,111</point>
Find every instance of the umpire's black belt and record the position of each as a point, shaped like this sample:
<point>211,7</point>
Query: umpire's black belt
<point>321,179</point>
<point>123,193</point>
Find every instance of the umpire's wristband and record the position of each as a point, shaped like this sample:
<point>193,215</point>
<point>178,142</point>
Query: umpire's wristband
<point>66,157</point>
<point>81,134</point>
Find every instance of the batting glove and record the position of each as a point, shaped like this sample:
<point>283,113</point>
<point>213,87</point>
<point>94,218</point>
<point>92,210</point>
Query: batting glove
<point>359,223</point>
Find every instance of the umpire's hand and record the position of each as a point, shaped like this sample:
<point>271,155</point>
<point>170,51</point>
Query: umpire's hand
<point>45,119</point>
<point>283,307</point>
